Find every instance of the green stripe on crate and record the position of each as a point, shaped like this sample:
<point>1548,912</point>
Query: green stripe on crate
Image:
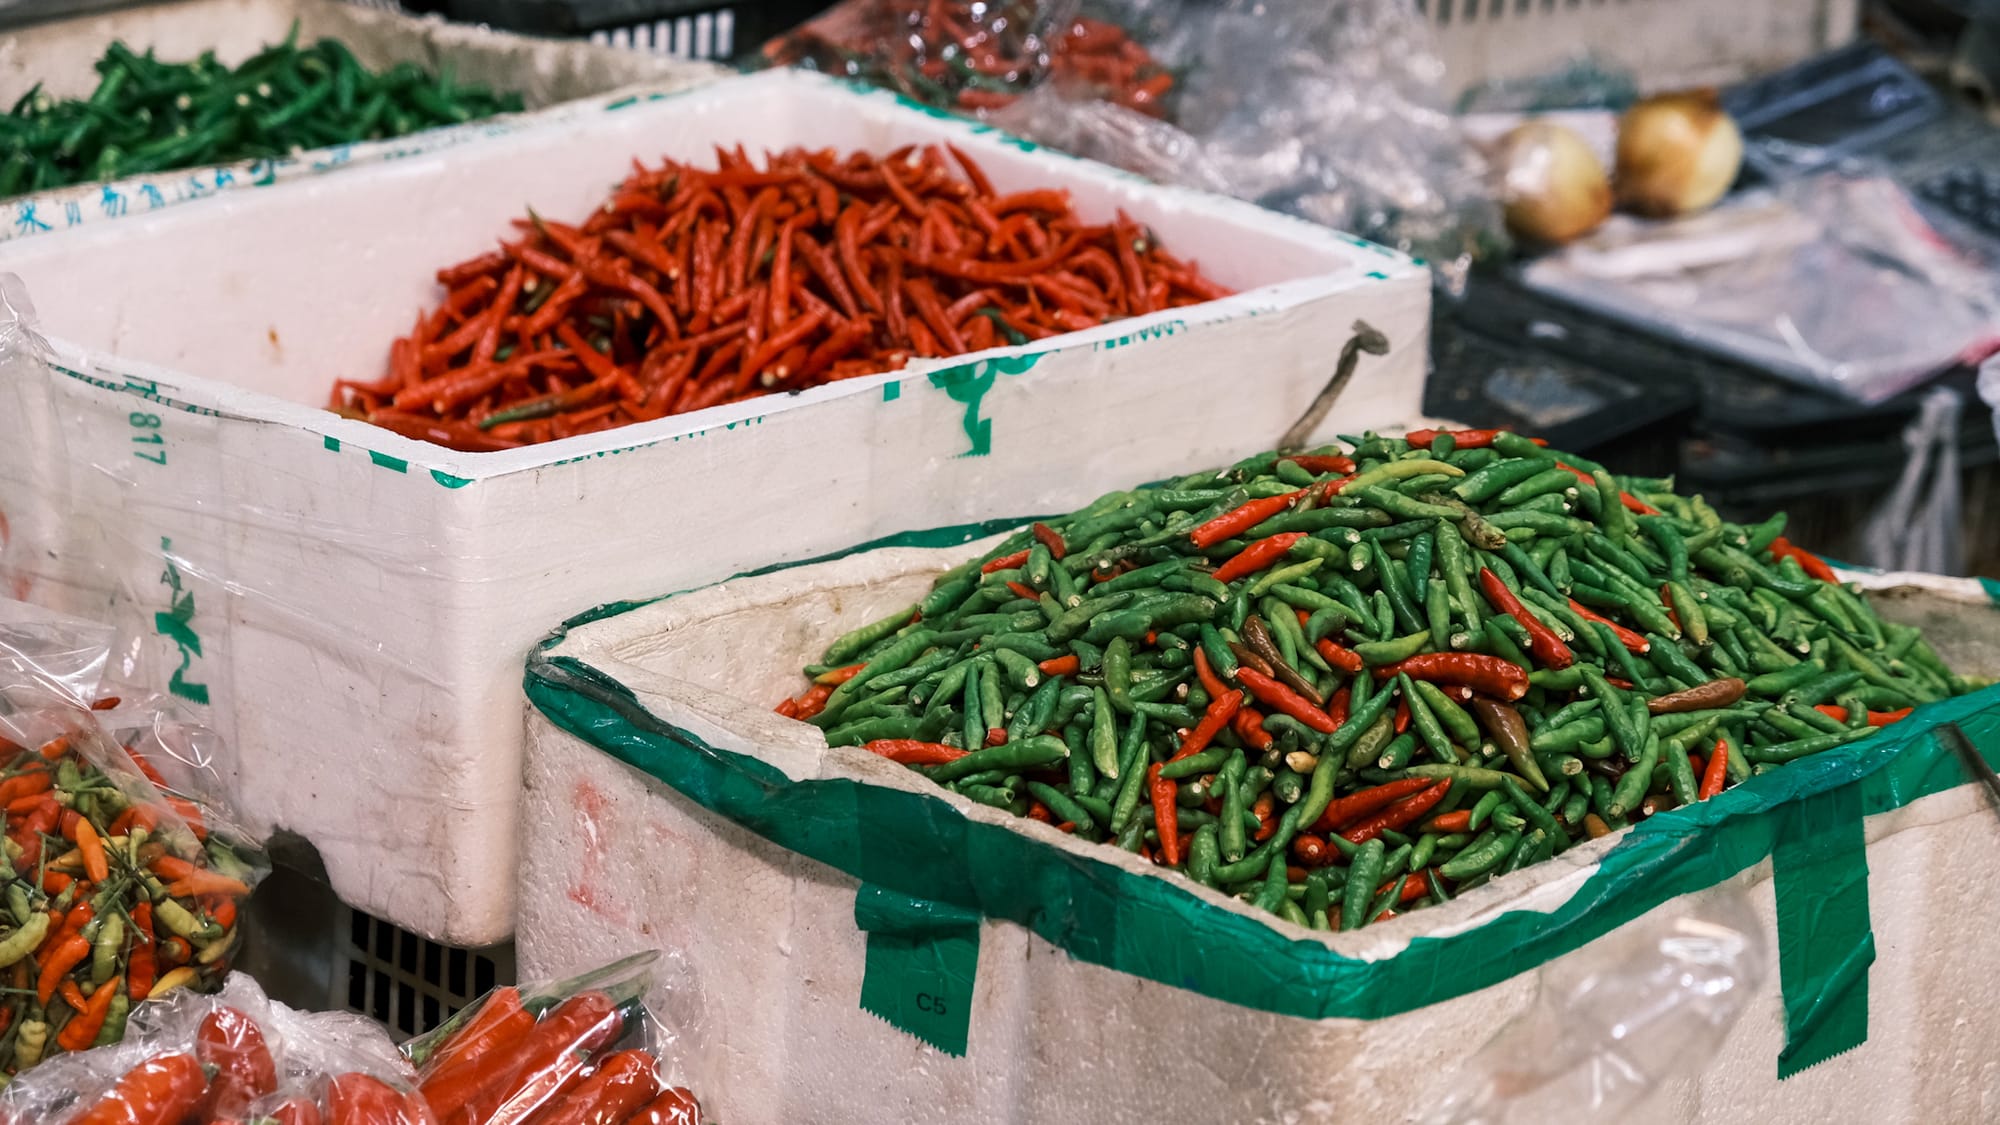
<point>925,848</point>
<point>1992,589</point>
<point>388,462</point>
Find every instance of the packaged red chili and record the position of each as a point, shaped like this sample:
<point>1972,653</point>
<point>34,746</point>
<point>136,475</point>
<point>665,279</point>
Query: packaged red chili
<point>582,1051</point>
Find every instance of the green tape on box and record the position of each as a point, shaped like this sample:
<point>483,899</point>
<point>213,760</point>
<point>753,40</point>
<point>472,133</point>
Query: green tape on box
<point>921,961</point>
<point>1157,928</point>
<point>1820,877</point>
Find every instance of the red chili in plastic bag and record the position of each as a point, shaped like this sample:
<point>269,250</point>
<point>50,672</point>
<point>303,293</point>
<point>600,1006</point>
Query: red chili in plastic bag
<point>159,1091</point>
<point>233,1044</point>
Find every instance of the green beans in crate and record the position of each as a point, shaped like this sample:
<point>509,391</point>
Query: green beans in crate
<point>1346,685</point>
<point>149,115</point>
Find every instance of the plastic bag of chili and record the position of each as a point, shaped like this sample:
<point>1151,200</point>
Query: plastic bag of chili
<point>569,1052</point>
<point>235,1056</point>
<point>127,873</point>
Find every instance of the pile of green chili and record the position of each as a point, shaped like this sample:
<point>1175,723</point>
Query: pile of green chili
<point>1342,686</point>
<point>150,116</point>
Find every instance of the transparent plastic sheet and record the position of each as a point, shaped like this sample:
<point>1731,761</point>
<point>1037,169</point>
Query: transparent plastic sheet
<point>124,873</point>
<point>1644,1004</point>
<point>1839,282</point>
<point>1333,112</point>
<point>1916,525</point>
<point>271,1064</point>
<point>582,1049</point>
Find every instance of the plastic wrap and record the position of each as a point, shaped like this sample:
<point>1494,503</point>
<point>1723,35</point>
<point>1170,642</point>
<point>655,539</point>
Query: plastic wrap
<point>585,1049</point>
<point>126,873</point>
<point>1650,1002</point>
<point>1334,112</point>
<point>234,1056</point>
<point>1839,282</point>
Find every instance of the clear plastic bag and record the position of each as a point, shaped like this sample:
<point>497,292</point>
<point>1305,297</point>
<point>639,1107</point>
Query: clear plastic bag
<point>124,877</point>
<point>230,1057</point>
<point>1333,112</point>
<point>1839,282</point>
<point>564,1052</point>
<point>976,57</point>
<point>1610,1023</point>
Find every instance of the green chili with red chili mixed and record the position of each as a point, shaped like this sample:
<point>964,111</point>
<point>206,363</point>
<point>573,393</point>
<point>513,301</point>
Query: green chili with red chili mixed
<point>1344,685</point>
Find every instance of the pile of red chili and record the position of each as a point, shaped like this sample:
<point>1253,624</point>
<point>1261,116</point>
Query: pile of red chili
<point>973,57</point>
<point>690,288</point>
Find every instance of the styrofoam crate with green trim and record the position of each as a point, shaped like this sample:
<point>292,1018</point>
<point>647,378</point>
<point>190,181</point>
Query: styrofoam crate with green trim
<point>59,57</point>
<point>886,949</point>
<point>354,606</point>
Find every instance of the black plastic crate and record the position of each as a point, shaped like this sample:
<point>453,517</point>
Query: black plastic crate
<point>691,29</point>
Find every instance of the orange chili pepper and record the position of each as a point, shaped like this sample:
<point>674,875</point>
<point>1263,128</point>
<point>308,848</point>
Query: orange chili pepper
<point>95,863</point>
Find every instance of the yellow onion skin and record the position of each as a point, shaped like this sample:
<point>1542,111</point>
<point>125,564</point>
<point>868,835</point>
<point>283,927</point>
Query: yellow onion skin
<point>1553,187</point>
<point>1677,154</point>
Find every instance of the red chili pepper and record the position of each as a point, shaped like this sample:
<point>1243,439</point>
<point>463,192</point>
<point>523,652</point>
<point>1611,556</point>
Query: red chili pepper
<point>1414,887</point>
<point>675,1107</point>
<point>81,1031</point>
<point>1023,591</point>
<point>1249,726</point>
<point>293,1111</point>
<point>1402,722</point>
<point>1337,707</point>
<point>1050,539</point>
<point>69,952</point>
<point>1281,698</point>
<point>163,1090</point>
<point>1634,504</point>
<point>548,1058</point>
<point>1234,522</point>
<point>1061,666</point>
<point>623,1083</point>
<point>1547,648</point>
<point>1463,439</point>
<point>1457,820</point>
<point>1166,814</point>
<point>1205,675</point>
<point>1499,678</point>
<point>813,701</point>
<point>1005,562</point>
<point>1312,850</point>
<point>1257,556</point>
<point>1264,807</point>
<point>1327,463</point>
<point>1633,642</point>
<point>362,1099</point>
<point>1367,801</point>
<point>1220,711</point>
<point>1782,548</point>
<point>1875,718</point>
<point>498,1022</point>
<point>1344,659</point>
<point>839,676</point>
<point>1405,812</point>
<point>911,752</point>
<point>232,1043</point>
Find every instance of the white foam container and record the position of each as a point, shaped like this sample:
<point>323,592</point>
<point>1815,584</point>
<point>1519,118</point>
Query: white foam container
<point>61,55</point>
<point>363,602</point>
<point>617,860</point>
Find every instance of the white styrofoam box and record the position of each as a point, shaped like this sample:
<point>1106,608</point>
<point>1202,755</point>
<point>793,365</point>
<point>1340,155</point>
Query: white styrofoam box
<point>60,57</point>
<point>1664,44</point>
<point>357,605</point>
<point>619,860</point>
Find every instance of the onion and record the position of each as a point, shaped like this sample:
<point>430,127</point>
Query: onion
<point>1552,186</point>
<point>1677,154</point>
